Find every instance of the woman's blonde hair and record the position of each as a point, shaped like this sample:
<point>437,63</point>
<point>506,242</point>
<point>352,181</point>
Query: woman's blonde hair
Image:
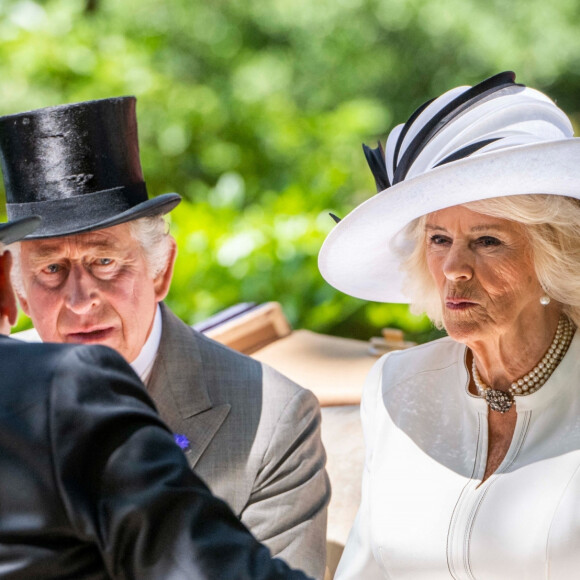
<point>552,225</point>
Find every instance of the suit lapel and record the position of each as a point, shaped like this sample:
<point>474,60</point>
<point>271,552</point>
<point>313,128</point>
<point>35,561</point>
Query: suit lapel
<point>178,387</point>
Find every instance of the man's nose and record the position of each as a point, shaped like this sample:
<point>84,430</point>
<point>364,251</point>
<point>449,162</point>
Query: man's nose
<point>81,290</point>
<point>458,264</point>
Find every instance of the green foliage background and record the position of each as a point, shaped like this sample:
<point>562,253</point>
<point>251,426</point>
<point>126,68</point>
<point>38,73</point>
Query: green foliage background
<point>254,111</point>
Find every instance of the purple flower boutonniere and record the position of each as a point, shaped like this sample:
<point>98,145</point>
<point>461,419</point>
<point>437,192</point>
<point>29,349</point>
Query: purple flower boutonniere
<point>182,441</point>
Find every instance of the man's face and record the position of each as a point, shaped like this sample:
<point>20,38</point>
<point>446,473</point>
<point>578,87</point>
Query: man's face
<point>92,288</point>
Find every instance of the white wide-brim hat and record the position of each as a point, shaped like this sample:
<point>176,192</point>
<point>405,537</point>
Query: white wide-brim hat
<point>495,139</point>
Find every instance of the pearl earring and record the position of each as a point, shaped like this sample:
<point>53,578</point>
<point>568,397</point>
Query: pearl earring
<point>544,299</point>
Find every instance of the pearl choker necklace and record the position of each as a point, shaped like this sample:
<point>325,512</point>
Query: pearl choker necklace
<point>503,400</point>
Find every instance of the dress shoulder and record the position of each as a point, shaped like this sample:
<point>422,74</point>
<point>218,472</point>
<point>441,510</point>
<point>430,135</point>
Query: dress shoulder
<point>405,365</point>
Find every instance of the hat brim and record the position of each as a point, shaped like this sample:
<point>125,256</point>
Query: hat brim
<point>81,223</point>
<point>357,256</point>
<point>16,230</point>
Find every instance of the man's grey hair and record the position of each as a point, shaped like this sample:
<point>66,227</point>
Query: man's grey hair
<point>152,233</point>
<point>16,271</point>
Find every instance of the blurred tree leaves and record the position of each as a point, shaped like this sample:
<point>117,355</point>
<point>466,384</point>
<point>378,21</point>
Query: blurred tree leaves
<point>255,110</point>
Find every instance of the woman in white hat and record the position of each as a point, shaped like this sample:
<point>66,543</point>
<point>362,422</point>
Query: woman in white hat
<point>472,441</point>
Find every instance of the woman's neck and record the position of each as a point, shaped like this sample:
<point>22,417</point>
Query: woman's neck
<point>504,357</point>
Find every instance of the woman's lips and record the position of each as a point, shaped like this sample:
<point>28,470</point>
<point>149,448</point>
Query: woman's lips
<point>458,304</point>
<point>94,335</point>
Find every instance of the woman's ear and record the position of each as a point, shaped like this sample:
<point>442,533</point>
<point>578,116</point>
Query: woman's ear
<point>8,307</point>
<point>162,281</point>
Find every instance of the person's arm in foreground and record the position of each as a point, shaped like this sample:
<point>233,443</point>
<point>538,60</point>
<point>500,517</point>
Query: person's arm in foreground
<point>126,484</point>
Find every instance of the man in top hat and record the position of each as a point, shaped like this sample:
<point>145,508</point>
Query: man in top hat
<point>96,272</point>
<point>93,483</point>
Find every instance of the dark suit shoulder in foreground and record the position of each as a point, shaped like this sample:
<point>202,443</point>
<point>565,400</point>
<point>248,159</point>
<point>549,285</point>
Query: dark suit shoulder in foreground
<point>93,484</point>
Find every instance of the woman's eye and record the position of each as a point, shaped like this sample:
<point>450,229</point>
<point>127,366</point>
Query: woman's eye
<point>438,239</point>
<point>488,241</point>
<point>104,261</point>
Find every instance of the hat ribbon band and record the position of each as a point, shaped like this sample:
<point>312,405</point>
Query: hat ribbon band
<point>88,208</point>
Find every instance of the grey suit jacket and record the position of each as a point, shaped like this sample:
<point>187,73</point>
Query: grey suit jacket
<point>254,439</point>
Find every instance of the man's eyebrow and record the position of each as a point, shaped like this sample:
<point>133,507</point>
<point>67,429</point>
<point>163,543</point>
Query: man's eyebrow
<point>48,249</point>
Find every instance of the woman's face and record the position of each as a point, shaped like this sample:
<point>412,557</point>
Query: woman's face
<point>483,269</point>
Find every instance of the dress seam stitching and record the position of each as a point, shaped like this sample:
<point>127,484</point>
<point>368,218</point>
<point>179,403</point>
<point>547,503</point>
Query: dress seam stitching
<point>477,505</point>
<point>453,524</point>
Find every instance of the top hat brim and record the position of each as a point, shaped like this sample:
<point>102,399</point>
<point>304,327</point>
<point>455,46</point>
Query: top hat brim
<point>16,230</point>
<point>358,257</point>
<point>67,216</point>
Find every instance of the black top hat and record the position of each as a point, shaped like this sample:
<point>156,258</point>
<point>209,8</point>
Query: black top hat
<point>77,166</point>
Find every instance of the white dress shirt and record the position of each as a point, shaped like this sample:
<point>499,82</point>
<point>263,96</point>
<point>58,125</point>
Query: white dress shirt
<point>143,364</point>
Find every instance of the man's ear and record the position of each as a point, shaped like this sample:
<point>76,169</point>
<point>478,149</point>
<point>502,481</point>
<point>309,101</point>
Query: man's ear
<point>8,307</point>
<point>162,281</point>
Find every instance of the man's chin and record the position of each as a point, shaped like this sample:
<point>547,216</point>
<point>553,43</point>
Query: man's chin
<point>109,338</point>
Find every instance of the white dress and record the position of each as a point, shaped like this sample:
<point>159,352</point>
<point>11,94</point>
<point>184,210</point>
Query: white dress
<point>424,513</point>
